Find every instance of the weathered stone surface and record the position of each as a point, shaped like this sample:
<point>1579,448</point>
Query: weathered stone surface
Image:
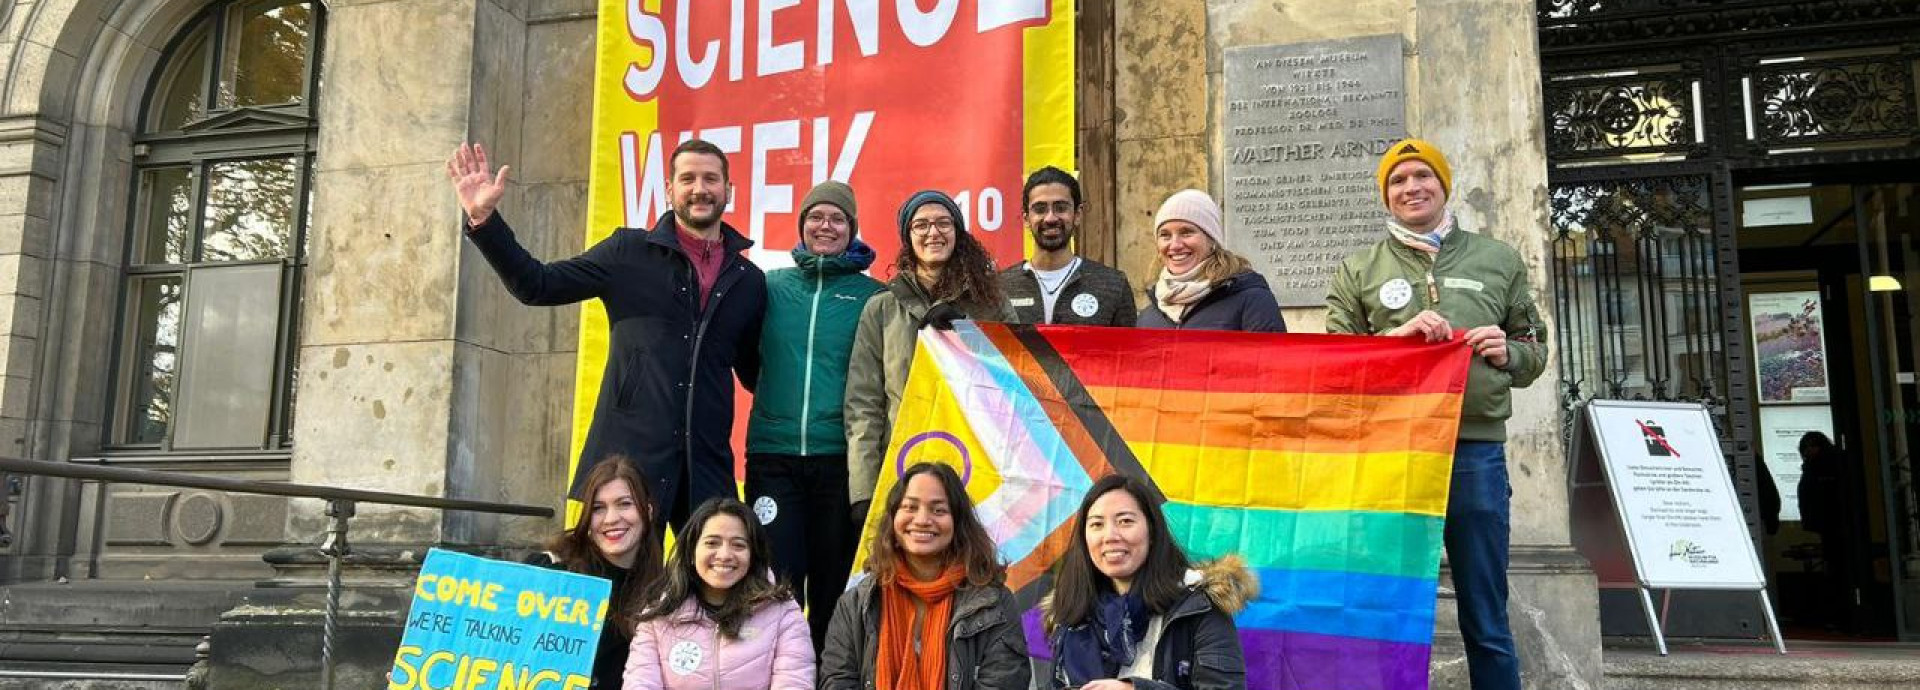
<point>498,82</point>
<point>558,102</point>
<point>503,407</point>
<point>1160,75</point>
<point>139,517</point>
<point>410,85</point>
<point>377,414</point>
<point>23,275</point>
<point>1157,168</point>
<point>548,220</point>
<point>384,246</point>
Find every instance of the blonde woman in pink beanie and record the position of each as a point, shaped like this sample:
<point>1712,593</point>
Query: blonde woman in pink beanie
<point>1198,283</point>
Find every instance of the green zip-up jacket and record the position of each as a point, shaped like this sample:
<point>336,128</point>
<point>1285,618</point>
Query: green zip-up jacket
<point>1480,281</point>
<point>812,311</point>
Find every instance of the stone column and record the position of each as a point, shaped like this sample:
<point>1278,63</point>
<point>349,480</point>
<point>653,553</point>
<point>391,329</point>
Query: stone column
<point>1473,87</point>
<point>418,373</point>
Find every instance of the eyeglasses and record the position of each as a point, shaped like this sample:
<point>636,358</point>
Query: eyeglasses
<point>819,218</point>
<point>1039,209</point>
<point>924,227</point>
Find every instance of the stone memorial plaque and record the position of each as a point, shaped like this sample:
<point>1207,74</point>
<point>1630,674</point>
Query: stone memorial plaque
<point>1305,125</point>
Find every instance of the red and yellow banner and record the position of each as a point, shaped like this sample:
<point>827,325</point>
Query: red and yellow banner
<point>890,96</point>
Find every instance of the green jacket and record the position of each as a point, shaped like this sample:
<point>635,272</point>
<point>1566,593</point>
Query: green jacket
<point>812,310</point>
<point>1480,282</point>
<point>876,376</point>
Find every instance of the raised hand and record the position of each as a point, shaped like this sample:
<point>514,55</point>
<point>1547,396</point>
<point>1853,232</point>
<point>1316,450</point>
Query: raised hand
<point>474,180</point>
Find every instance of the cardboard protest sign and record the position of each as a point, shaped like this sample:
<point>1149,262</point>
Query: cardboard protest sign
<point>485,624</point>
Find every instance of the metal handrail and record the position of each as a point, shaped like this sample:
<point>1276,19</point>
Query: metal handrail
<point>129,475</point>
<point>340,507</point>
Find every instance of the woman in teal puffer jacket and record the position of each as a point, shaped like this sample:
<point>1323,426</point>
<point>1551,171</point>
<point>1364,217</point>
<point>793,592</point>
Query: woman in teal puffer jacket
<point>796,436</point>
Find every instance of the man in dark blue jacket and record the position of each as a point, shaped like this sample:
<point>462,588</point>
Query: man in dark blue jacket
<point>683,309</point>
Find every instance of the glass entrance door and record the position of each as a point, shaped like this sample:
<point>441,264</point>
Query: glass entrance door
<point>1888,217</point>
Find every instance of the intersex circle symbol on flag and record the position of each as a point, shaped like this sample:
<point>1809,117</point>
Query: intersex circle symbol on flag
<point>966,458</point>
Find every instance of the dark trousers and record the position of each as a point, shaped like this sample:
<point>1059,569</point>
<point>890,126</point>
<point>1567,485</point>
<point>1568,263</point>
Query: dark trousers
<point>1478,525</point>
<point>802,501</point>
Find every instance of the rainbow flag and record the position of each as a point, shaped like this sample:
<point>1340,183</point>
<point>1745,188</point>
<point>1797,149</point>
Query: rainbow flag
<point>1322,460</point>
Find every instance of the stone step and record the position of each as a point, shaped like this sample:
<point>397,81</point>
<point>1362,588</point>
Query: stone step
<point>22,675</point>
<point>1742,665</point>
<point>111,622</point>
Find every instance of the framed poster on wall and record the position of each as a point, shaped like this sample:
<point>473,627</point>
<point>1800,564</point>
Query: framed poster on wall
<point>1789,348</point>
<point>1781,427</point>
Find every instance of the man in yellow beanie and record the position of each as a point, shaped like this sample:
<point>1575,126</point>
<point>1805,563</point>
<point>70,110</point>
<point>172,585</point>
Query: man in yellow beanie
<point>1426,279</point>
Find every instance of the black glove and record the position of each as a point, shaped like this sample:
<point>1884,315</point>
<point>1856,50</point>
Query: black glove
<point>860,515</point>
<point>942,316</point>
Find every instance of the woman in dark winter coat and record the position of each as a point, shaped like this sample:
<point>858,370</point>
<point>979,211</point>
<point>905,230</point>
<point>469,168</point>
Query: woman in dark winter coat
<point>943,273</point>
<point>933,612</point>
<point>614,540</point>
<point>1127,613</point>
<point>1199,283</point>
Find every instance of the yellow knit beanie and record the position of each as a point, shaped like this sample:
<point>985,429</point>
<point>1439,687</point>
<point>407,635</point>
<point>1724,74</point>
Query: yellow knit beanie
<point>1414,150</point>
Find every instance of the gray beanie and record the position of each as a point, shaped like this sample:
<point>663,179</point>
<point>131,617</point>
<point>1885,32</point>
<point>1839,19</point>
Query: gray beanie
<point>837,194</point>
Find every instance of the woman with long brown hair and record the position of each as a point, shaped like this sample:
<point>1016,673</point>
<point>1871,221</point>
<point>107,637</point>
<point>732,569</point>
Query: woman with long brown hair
<point>933,612</point>
<point>943,274</point>
<point>615,540</point>
<point>721,621</point>
<point>1129,611</point>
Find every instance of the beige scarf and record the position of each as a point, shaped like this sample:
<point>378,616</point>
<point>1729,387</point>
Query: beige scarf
<point>1429,241</point>
<point>1176,292</point>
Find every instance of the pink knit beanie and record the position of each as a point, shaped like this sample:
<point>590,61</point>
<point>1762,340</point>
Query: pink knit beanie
<point>1193,206</point>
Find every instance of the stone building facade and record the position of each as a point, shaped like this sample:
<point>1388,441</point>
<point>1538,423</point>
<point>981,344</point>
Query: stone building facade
<point>398,364</point>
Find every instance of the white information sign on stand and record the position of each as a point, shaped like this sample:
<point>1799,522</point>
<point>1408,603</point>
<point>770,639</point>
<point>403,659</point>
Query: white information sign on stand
<point>1676,506</point>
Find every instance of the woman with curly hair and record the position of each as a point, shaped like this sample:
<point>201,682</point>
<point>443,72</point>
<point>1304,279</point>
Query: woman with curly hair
<point>933,612</point>
<point>615,540</point>
<point>942,274</point>
<point>721,621</point>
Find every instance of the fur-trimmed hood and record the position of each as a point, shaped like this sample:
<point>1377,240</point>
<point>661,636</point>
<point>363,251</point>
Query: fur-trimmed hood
<point>1227,583</point>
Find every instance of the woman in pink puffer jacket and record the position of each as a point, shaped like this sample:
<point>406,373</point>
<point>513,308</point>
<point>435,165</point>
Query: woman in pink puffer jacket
<point>722,622</point>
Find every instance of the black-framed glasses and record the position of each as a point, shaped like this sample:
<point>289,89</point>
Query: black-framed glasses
<point>924,226</point>
<point>1039,209</point>
<point>818,217</point>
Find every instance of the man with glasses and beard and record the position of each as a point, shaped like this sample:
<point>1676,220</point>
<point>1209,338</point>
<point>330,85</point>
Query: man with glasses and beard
<point>1056,286</point>
<point>683,312</point>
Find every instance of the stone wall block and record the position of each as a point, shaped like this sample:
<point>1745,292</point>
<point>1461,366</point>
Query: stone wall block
<point>91,289</point>
<point>1160,70</point>
<point>402,84</point>
<point>558,104</point>
<point>1159,167</point>
<point>548,220</point>
<point>498,83</point>
<point>23,274</point>
<point>26,193</point>
<point>376,414</point>
<point>45,82</point>
<point>20,314</point>
<point>1254,24</point>
<point>80,22</point>
<point>498,446</point>
<point>551,9</point>
<point>19,358</point>
<point>384,244</point>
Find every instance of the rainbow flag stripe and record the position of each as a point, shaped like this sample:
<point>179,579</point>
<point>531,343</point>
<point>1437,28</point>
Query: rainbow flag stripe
<point>1322,460</point>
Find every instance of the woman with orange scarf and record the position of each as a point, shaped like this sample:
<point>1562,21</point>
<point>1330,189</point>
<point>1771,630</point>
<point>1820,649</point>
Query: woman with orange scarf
<point>932,612</point>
